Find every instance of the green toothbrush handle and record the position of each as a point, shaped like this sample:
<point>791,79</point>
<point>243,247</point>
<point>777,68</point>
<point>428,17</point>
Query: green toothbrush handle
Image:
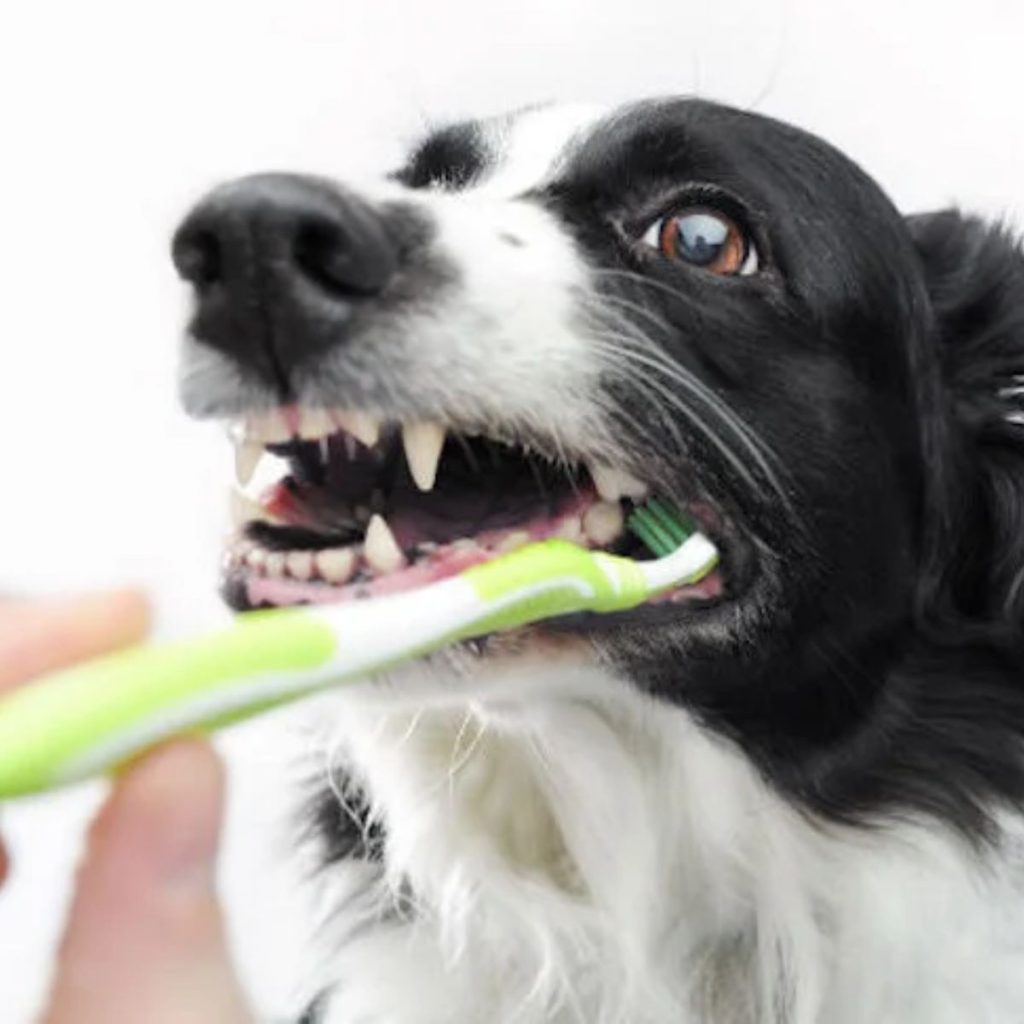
<point>94,716</point>
<point>87,718</point>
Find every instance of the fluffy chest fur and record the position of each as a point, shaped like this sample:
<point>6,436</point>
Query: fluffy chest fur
<point>588,858</point>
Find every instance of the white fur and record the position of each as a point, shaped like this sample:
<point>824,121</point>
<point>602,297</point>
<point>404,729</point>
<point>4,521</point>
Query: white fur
<point>530,146</point>
<point>577,852</point>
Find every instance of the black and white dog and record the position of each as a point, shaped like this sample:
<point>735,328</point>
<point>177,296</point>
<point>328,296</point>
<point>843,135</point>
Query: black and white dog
<point>793,794</point>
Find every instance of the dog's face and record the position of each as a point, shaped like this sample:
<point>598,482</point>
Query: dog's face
<point>560,312</point>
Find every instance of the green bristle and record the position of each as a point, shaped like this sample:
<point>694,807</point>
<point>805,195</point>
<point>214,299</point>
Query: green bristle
<point>659,526</point>
<point>641,525</point>
<point>670,521</point>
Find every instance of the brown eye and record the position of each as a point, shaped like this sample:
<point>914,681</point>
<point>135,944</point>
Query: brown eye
<point>707,239</point>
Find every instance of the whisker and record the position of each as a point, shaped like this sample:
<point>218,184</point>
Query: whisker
<point>456,766</point>
<point>691,414</point>
<point>637,349</point>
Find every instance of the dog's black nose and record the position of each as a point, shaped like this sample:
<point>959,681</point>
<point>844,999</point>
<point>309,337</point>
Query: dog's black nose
<point>278,263</point>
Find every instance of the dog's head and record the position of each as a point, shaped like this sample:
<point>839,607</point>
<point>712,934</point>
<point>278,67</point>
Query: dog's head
<point>562,310</point>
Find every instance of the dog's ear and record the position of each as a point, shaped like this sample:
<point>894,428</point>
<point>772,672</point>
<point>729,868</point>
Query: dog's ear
<point>974,275</point>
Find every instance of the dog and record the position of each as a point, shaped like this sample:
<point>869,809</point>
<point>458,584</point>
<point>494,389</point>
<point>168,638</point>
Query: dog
<point>792,793</point>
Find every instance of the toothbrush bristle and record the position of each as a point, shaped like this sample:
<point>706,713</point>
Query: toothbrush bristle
<point>659,526</point>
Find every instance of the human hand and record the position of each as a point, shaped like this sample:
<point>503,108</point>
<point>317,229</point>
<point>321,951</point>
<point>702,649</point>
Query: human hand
<point>145,937</point>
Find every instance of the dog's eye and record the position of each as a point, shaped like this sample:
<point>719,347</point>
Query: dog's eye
<point>704,238</point>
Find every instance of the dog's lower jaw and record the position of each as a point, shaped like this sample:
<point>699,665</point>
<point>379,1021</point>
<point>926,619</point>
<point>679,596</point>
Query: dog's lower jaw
<point>561,848</point>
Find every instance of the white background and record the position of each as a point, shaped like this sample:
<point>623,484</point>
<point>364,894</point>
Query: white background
<point>116,114</point>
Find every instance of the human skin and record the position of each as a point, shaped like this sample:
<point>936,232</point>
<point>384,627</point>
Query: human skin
<point>145,936</point>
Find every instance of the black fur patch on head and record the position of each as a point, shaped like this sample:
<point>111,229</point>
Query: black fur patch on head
<point>449,158</point>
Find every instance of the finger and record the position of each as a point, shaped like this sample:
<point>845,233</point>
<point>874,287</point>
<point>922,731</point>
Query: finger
<point>145,939</point>
<point>39,636</point>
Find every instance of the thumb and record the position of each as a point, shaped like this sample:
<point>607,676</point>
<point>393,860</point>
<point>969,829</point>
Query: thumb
<point>145,939</point>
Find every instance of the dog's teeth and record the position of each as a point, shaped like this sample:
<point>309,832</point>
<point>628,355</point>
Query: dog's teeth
<point>571,529</point>
<point>423,442</point>
<point>360,425</point>
<point>256,559</point>
<point>603,522</point>
<point>299,564</point>
<point>240,548</point>
<point>512,541</point>
<point>336,565</point>
<point>613,484</point>
<point>380,548</point>
<point>247,456</point>
<point>242,509</point>
<point>275,565</point>
<point>268,427</point>
<point>314,424</point>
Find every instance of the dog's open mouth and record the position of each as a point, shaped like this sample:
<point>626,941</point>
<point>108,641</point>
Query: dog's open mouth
<point>351,508</point>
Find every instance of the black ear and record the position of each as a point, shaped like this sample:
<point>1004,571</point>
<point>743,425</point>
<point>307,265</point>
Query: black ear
<point>974,275</point>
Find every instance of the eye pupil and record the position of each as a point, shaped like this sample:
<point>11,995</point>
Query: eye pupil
<point>701,238</point>
<point>705,238</point>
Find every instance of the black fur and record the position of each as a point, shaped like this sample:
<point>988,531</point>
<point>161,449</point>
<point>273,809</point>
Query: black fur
<point>344,829</point>
<point>452,157</point>
<point>875,665</point>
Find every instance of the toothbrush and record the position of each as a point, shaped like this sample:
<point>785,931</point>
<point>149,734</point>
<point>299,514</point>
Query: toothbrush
<point>92,717</point>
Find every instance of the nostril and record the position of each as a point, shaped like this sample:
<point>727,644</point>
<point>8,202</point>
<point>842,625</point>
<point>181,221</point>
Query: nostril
<point>319,250</point>
<point>340,261</point>
<point>197,256</point>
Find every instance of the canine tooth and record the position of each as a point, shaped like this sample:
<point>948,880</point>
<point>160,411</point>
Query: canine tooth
<point>360,425</point>
<point>235,430</point>
<point>336,565</point>
<point>423,442</point>
<point>613,484</point>
<point>247,456</point>
<point>511,541</point>
<point>256,559</point>
<point>570,529</point>
<point>380,548</point>
<point>299,564</point>
<point>314,424</point>
<point>275,565</point>
<point>603,522</point>
<point>243,509</point>
<point>268,427</point>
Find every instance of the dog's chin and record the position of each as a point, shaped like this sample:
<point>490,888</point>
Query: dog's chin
<point>339,507</point>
